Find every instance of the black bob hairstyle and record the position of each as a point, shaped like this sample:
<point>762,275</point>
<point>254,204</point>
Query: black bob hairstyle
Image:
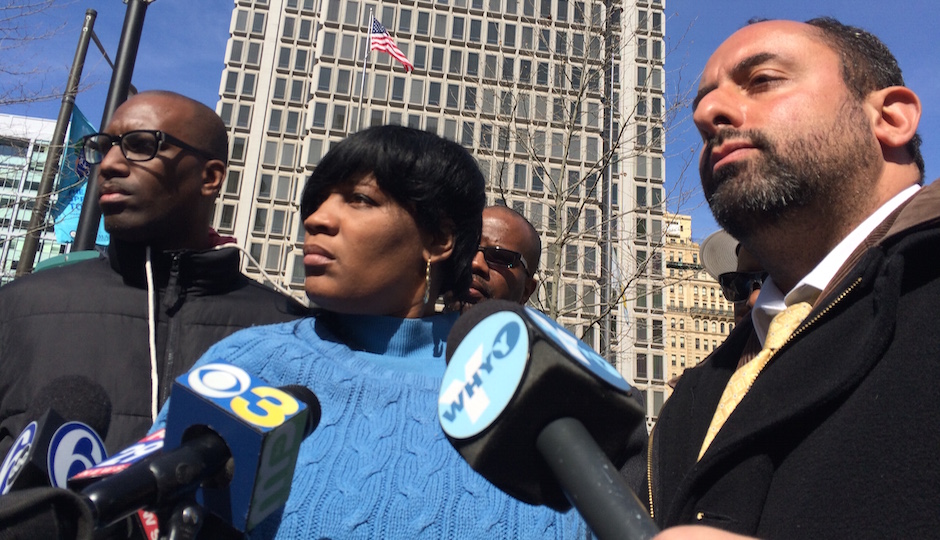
<point>435,180</point>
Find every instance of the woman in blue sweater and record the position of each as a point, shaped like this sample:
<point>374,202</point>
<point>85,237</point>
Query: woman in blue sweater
<point>392,218</point>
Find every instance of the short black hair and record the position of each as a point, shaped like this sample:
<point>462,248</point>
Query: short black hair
<point>437,181</point>
<point>867,65</point>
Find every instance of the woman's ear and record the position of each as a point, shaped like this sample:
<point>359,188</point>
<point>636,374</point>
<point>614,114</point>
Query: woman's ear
<point>440,244</point>
<point>898,112</point>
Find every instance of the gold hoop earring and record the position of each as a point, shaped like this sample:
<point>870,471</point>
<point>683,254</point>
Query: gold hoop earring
<point>427,283</point>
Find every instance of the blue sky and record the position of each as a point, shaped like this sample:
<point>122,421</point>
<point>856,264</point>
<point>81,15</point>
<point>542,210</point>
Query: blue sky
<point>183,46</point>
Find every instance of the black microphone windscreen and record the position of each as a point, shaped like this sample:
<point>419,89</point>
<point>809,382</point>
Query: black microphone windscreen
<point>469,319</point>
<point>302,393</point>
<point>74,398</point>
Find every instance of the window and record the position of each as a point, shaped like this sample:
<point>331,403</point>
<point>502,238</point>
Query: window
<point>492,33</point>
<point>541,76</point>
<point>470,101</point>
<point>473,64</point>
<point>519,176</point>
<point>227,218</point>
<point>424,23</point>
<point>231,82</point>
<point>456,58</point>
<point>297,91</point>
<point>233,182</point>
<point>417,92</point>
<point>489,69</point>
<point>508,68</point>
<point>398,89</point>
<point>280,87</point>
<point>453,95</point>
<point>225,114</point>
<point>323,83</point>
<point>437,59</point>
<point>339,117</point>
<point>300,60</point>
<point>236,54</point>
<point>641,366</point>
<point>269,157</point>
<point>404,21</point>
<point>525,71</point>
<point>475,30</point>
<point>319,115</point>
<point>261,218</point>
<point>466,138</point>
<point>238,149</point>
<point>257,24</point>
<point>274,122</point>
<point>486,135</point>
<point>288,31</point>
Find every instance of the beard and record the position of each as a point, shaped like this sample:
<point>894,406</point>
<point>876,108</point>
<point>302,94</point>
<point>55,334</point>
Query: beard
<point>830,169</point>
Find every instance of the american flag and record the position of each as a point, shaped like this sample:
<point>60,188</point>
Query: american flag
<point>381,41</point>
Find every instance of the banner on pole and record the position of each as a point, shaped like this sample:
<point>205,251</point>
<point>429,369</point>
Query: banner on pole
<point>70,187</point>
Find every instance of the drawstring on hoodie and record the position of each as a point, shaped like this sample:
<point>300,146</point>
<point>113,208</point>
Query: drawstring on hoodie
<point>152,330</point>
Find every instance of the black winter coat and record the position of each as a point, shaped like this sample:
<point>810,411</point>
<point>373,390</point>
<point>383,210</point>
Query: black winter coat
<point>839,435</point>
<point>91,318</point>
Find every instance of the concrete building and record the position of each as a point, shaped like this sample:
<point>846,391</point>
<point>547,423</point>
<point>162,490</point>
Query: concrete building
<point>561,101</point>
<point>698,315</point>
<point>24,144</point>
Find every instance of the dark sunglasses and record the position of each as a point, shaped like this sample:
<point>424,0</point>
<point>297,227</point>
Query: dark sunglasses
<point>137,145</point>
<point>503,257</point>
<point>738,286</point>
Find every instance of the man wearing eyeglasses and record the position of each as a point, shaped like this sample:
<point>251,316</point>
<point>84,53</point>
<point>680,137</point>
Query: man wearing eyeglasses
<point>136,319</point>
<point>505,264</point>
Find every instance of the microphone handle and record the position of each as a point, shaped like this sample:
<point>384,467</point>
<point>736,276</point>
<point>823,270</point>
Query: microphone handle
<point>157,481</point>
<point>592,484</point>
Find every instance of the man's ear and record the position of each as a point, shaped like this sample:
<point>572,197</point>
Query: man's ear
<point>213,174</point>
<point>530,285</point>
<point>897,115</point>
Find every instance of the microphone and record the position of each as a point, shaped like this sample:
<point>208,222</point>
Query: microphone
<point>229,435</point>
<point>64,439</point>
<point>542,416</point>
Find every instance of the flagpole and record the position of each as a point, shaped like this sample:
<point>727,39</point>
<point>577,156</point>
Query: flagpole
<point>365,66</point>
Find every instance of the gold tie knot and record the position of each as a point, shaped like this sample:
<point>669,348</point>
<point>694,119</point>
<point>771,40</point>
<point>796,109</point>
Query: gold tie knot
<point>784,323</point>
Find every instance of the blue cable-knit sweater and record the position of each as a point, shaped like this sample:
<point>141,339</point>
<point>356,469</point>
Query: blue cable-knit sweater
<point>379,465</point>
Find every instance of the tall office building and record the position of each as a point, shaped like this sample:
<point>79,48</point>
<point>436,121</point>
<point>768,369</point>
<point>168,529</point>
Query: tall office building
<point>24,144</point>
<point>561,102</point>
<point>698,315</point>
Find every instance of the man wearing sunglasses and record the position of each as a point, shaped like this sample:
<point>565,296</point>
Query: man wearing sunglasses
<point>505,264</point>
<point>739,273</point>
<point>136,319</point>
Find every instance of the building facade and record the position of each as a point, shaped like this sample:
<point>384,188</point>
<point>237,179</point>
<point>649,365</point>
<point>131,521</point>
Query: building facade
<point>24,144</point>
<point>561,102</point>
<point>698,315</point>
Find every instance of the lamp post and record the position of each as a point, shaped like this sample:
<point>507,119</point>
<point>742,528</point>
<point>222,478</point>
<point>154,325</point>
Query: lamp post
<point>124,62</point>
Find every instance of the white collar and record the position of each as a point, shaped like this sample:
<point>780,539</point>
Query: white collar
<point>771,299</point>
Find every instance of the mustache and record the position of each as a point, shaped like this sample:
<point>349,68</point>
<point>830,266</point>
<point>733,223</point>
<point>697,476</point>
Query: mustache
<point>753,136</point>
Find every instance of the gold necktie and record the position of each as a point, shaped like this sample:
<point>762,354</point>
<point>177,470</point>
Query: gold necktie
<point>782,325</point>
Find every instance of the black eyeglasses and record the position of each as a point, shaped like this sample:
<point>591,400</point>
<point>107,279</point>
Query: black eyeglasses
<point>503,257</point>
<point>738,286</point>
<point>137,145</point>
